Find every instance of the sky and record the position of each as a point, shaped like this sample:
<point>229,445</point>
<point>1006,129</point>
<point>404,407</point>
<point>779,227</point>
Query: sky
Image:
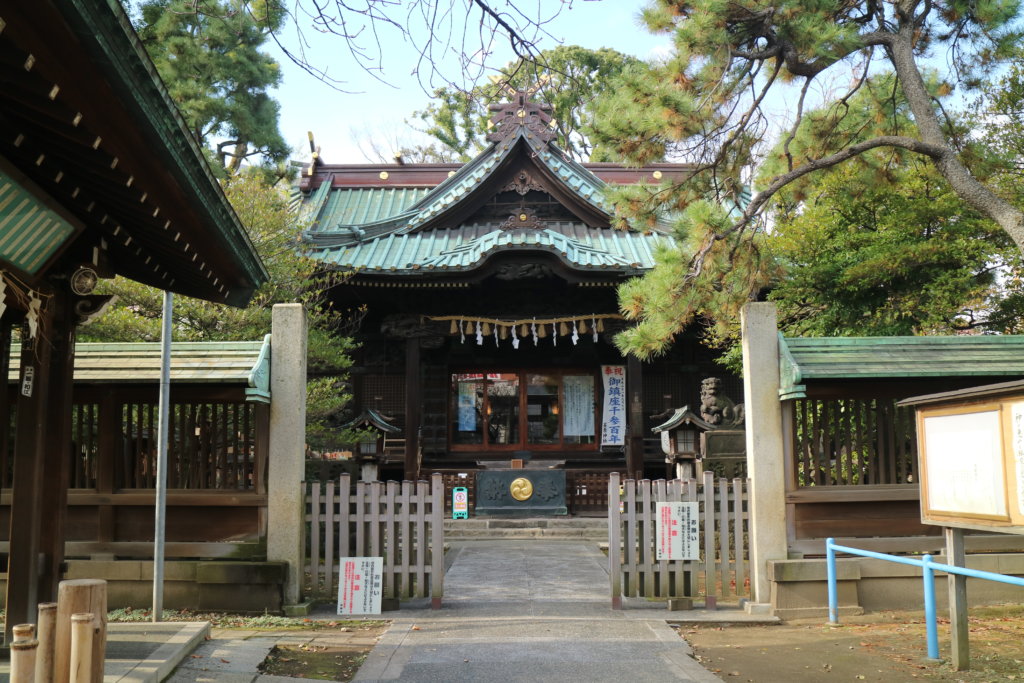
<point>362,106</point>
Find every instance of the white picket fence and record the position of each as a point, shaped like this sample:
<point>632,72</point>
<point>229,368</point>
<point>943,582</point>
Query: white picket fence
<point>723,569</point>
<point>400,522</point>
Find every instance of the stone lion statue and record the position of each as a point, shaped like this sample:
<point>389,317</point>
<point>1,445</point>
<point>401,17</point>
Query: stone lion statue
<point>716,408</point>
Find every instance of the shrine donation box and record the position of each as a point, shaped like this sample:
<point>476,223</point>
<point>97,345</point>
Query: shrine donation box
<point>520,493</point>
<point>971,445</point>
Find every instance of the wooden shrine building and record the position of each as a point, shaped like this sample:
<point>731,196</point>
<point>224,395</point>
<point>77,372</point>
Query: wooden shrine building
<point>488,292</point>
<point>99,177</point>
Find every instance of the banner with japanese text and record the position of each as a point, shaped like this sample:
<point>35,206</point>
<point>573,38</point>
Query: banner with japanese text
<point>613,418</point>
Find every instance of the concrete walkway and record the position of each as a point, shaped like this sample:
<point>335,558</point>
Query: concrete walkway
<point>530,611</point>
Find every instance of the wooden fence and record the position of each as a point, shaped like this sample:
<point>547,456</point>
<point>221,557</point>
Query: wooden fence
<point>854,442</point>
<point>586,492</point>
<point>723,568</point>
<point>402,523</point>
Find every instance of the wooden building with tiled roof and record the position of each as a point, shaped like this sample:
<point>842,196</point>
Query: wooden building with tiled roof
<point>99,176</point>
<point>488,291</point>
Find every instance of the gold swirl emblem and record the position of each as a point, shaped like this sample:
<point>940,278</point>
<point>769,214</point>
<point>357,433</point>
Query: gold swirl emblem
<point>521,489</point>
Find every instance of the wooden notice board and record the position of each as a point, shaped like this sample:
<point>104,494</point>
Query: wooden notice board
<point>971,445</point>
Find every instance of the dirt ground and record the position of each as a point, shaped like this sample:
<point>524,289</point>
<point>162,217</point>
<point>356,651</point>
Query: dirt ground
<point>886,646</point>
<point>333,655</point>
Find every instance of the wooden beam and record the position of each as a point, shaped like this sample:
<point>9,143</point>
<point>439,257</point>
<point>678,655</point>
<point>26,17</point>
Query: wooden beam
<point>413,404</point>
<point>30,438</point>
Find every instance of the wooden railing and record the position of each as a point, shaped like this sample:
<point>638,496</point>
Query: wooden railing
<point>854,442</point>
<point>401,522</point>
<point>723,568</point>
<point>213,443</point>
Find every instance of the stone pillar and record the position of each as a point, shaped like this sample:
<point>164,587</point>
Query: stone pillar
<point>765,461</point>
<point>287,456</point>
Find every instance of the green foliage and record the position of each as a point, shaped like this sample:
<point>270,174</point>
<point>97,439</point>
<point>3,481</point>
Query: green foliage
<point>574,80</point>
<point>264,210</point>
<point>900,258</point>
<point>707,102</point>
<point>208,54</point>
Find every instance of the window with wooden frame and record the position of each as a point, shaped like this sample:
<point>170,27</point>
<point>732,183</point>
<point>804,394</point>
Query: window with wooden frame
<point>524,410</point>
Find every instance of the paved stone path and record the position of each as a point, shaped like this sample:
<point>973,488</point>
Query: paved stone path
<point>530,611</point>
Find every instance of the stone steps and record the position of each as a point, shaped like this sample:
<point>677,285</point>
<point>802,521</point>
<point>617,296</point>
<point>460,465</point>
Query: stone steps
<point>595,528</point>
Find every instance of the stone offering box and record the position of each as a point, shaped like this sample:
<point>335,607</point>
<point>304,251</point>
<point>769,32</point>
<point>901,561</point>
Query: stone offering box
<point>520,493</point>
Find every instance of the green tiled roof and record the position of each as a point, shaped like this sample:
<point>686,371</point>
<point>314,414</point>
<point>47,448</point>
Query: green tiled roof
<point>465,249</point>
<point>360,205</point>
<point>139,363</point>
<point>829,358</point>
<point>30,233</point>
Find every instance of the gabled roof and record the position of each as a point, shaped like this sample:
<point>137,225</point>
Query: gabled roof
<point>805,359</point>
<point>461,250</point>
<point>400,227</point>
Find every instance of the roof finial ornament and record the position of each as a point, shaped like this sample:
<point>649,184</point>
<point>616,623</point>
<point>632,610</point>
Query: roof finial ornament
<point>521,114</point>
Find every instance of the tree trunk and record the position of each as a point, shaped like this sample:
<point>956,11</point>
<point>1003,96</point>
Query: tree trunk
<point>960,179</point>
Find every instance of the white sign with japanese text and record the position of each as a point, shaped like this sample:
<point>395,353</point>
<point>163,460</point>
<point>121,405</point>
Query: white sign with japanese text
<point>613,418</point>
<point>677,530</point>
<point>360,585</point>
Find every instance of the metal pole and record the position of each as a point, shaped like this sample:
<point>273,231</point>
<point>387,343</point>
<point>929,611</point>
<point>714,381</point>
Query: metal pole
<point>928,576</point>
<point>163,436</point>
<point>833,593</point>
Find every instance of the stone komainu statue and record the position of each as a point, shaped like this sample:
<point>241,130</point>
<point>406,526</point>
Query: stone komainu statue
<point>717,409</point>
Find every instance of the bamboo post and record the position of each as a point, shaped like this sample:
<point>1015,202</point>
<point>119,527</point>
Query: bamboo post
<point>23,654</point>
<point>74,597</point>
<point>47,635</point>
<point>81,665</point>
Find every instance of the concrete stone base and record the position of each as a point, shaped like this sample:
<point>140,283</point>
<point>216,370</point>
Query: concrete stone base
<point>799,588</point>
<point>300,609</point>
<point>245,587</point>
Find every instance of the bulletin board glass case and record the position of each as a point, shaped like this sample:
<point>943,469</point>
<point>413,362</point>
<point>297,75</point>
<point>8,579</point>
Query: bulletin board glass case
<point>971,445</point>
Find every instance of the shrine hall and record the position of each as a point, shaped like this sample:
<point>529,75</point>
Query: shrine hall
<point>487,297</point>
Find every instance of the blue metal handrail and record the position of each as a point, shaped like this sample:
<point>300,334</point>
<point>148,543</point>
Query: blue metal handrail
<point>928,569</point>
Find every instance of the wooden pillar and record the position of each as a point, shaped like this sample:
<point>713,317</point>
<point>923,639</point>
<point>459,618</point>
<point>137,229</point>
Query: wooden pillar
<point>56,462</point>
<point>635,392</point>
<point>261,447</point>
<point>5,402</point>
<point>960,650</point>
<point>413,404</point>
<point>108,457</point>
<point>26,496</point>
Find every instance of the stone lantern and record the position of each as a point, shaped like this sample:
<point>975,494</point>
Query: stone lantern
<point>681,440</point>
<point>369,452</point>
